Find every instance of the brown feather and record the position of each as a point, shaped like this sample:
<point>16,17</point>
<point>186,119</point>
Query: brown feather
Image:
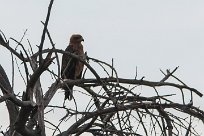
<point>71,67</point>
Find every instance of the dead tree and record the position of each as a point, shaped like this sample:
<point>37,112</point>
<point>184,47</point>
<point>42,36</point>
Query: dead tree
<point>116,106</point>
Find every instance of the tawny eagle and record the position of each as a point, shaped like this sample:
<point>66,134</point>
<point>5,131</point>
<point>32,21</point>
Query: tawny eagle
<point>71,67</point>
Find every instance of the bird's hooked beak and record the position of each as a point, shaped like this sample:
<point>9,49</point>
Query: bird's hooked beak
<point>82,39</point>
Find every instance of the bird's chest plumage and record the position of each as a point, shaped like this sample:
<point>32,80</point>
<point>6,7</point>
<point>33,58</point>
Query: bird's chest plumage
<point>78,50</point>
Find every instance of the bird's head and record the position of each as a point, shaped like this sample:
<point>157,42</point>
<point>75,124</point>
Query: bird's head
<point>76,38</point>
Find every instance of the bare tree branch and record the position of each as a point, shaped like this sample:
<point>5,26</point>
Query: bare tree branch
<point>111,105</point>
<point>44,31</point>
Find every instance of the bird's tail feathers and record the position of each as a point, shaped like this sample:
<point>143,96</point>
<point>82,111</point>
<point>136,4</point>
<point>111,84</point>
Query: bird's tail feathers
<point>68,92</point>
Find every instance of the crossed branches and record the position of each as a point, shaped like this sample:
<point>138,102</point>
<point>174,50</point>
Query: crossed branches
<point>116,106</point>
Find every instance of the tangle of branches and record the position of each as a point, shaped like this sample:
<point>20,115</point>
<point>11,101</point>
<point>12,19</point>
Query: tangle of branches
<point>111,105</point>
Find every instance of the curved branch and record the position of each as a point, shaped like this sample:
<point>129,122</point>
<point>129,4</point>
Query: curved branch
<point>89,115</point>
<point>6,89</point>
<point>90,82</point>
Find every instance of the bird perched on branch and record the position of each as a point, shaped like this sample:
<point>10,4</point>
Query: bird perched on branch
<point>71,67</point>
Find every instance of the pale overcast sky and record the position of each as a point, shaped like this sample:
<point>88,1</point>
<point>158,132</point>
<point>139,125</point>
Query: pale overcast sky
<point>149,34</point>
